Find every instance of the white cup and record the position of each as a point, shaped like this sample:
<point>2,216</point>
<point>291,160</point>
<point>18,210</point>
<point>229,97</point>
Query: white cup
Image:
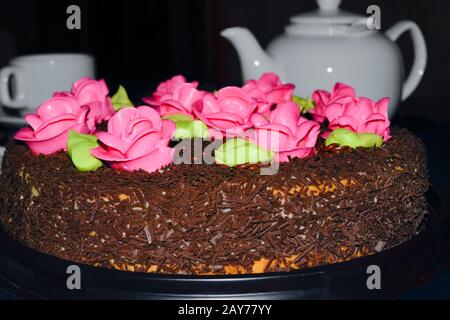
<point>30,80</point>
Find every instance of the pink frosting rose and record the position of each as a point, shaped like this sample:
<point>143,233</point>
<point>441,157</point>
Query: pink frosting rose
<point>285,132</point>
<point>49,127</point>
<point>181,100</point>
<point>268,91</point>
<point>360,115</point>
<point>323,98</point>
<point>166,89</point>
<point>228,111</point>
<point>93,93</point>
<point>137,138</point>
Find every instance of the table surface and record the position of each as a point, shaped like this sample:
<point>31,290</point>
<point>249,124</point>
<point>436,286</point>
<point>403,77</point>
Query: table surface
<point>434,129</point>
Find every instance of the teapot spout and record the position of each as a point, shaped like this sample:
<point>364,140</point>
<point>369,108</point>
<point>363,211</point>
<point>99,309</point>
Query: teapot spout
<point>254,60</point>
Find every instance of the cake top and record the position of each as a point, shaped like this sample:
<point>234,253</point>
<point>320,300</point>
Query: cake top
<point>260,122</point>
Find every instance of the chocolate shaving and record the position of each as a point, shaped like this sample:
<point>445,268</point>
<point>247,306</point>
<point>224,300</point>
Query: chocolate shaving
<point>148,235</point>
<point>196,219</point>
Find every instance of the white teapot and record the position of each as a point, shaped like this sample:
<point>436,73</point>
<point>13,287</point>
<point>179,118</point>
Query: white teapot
<point>330,45</point>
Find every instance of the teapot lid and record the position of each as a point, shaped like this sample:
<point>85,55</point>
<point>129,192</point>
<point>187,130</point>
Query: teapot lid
<point>328,12</point>
<point>327,16</point>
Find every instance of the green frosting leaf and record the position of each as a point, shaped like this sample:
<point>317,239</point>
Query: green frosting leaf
<point>191,129</point>
<point>347,138</point>
<point>187,127</point>
<point>238,151</point>
<point>175,117</point>
<point>120,99</point>
<point>79,148</point>
<point>304,104</point>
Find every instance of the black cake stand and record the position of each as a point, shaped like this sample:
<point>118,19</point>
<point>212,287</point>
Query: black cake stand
<point>402,268</point>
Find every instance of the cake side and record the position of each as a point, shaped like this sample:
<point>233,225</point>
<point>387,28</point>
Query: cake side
<point>213,219</point>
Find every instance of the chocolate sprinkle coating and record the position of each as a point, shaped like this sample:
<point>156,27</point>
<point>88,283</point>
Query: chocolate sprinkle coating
<point>212,219</point>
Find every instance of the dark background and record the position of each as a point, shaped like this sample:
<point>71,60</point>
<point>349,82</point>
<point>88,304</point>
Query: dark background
<point>140,43</point>
<point>148,41</point>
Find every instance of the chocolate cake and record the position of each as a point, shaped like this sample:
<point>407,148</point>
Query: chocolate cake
<point>261,181</point>
<point>203,219</point>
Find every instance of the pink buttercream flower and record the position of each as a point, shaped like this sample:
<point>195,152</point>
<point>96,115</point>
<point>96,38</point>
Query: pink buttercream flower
<point>323,98</point>
<point>268,91</point>
<point>137,138</point>
<point>285,132</point>
<point>166,89</point>
<point>228,111</point>
<point>93,93</point>
<point>360,115</point>
<point>181,100</point>
<point>49,127</point>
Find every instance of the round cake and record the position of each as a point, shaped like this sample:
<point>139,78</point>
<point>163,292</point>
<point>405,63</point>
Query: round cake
<point>339,203</point>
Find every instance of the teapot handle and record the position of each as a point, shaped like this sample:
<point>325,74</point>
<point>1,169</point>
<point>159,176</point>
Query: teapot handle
<point>420,54</point>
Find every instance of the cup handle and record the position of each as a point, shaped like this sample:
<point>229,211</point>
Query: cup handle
<point>18,101</point>
<point>420,54</point>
